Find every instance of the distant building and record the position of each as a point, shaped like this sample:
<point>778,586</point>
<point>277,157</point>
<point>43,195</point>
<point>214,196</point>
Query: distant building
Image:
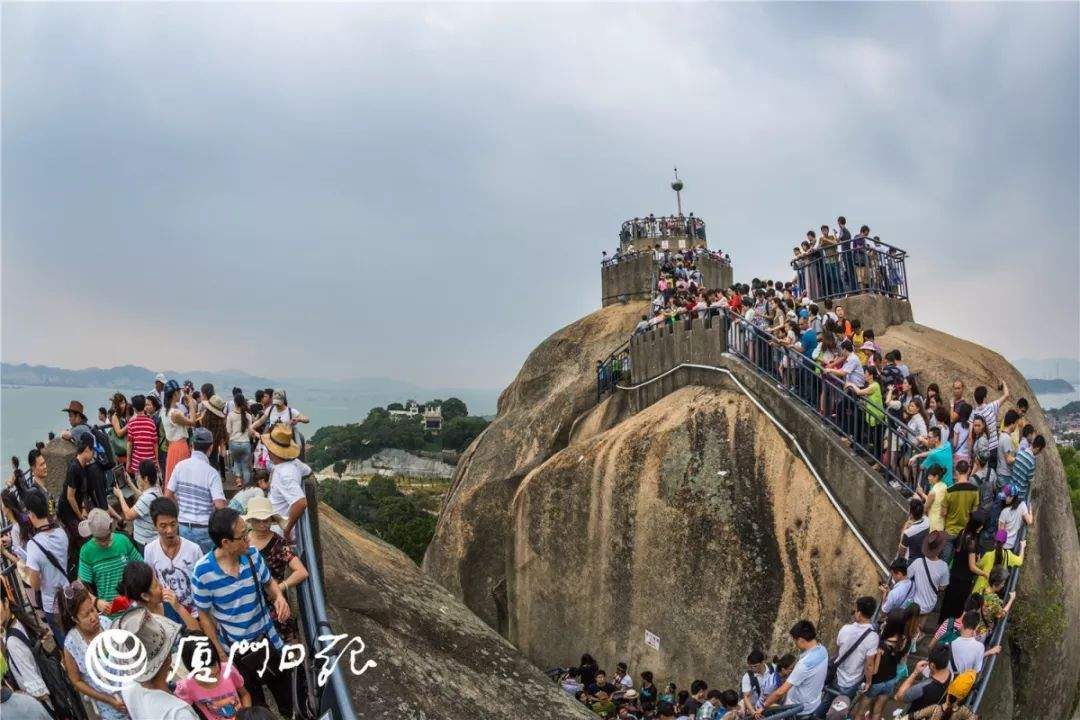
<point>412,409</point>
<point>433,418</point>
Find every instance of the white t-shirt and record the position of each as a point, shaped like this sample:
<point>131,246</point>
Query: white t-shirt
<point>1013,518</point>
<point>765,683</point>
<point>144,703</point>
<point>175,573</point>
<point>967,654</point>
<point>56,542</point>
<point>287,486</point>
<point>925,593</point>
<point>850,672</point>
<point>1005,446</point>
<point>807,679</point>
<point>280,416</point>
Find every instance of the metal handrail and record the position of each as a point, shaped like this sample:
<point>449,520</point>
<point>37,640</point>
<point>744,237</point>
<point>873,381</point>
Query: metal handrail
<point>713,255</point>
<point>804,380</point>
<point>977,693</point>
<point>337,703</point>
<point>651,227</point>
<point>608,371</point>
<point>844,270</point>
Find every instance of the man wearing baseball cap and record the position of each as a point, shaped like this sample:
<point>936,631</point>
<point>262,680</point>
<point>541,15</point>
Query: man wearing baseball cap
<point>159,388</point>
<point>195,485</point>
<point>102,560</point>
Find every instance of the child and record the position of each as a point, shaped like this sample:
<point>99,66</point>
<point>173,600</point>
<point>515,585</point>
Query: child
<point>220,697</point>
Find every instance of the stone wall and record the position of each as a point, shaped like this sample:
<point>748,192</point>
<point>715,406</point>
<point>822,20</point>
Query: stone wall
<point>632,278</point>
<point>697,341</point>
<point>714,274</point>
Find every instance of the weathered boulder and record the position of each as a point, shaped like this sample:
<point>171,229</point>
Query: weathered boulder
<point>535,415</point>
<point>691,520</point>
<point>435,659</point>
<point>58,453</point>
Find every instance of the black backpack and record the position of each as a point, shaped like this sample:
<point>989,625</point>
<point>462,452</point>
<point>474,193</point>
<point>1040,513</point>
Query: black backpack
<point>64,702</point>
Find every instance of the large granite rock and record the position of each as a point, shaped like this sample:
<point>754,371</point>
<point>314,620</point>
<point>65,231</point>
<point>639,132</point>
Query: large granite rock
<point>691,520</point>
<point>435,659</point>
<point>536,413</point>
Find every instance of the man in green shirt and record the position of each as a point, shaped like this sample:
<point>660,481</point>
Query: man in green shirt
<point>960,501</point>
<point>102,562</point>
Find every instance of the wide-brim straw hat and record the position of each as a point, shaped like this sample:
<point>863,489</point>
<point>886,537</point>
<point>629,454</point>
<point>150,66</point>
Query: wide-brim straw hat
<point>260,508</point>
<point>280,442</point>
<point>216,405</point>
<point>156,633</point>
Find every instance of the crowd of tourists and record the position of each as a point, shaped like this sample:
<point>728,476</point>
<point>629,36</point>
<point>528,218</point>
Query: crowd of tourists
<point>834,262</point>
<point>966,459</point>
<point>651,227</point>
<point>147,534</point>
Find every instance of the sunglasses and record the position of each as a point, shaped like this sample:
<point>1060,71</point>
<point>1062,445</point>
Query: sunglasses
<point>70,590</point>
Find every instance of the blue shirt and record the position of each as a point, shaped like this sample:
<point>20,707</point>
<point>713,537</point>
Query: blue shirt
<point>808,340</point>
<point>1023,470</point>
<point>941,455</point>
<point>239,612</point>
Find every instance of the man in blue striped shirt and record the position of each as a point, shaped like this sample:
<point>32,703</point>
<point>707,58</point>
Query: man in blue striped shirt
<point>195,486</point>
<point>1023,469</point>
<point>228,587</point>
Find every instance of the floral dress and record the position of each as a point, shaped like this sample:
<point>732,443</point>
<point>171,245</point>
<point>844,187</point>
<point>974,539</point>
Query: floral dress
<point>76,646</point>
<point>278,554</point>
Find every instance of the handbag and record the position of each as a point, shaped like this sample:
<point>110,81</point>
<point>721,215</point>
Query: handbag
<point>251,662</point>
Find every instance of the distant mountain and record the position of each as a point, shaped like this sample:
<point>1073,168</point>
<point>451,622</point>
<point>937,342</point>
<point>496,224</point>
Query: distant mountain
<point>1064,368</point>
<point>125,376</point>
<point>1050,386</point>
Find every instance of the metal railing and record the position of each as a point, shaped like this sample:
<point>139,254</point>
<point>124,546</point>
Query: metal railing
<point>625,256</point>
<point>331,701</point>
<point>873,433</point>
<point>652,227</point>
<point>612,369</point>
<point>853,268</point>
<point>996,636</point>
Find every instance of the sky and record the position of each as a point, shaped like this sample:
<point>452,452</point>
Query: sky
<point>423,191</point>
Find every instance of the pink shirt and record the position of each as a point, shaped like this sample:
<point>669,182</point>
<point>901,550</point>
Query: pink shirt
<point>220,702</point>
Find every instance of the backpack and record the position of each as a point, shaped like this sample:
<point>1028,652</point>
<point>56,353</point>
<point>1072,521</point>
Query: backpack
<point>951,633</point>
<point>64,702</point>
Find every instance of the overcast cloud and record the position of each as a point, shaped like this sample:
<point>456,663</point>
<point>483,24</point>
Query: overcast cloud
<point>423,191</point>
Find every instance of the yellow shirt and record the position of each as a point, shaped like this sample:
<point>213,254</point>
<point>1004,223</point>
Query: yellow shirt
<point>986,563</point>
<point>937,511</point>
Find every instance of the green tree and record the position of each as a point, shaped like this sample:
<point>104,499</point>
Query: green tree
<point>395,406</point>
<point>459,432</point>
<point>453,408</point>
<point>339,467</point>
<point>1070,458</point>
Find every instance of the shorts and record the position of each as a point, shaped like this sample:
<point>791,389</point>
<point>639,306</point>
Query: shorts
<point>886,687</point>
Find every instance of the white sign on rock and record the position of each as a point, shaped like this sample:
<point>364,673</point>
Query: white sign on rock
<point>652,640</point>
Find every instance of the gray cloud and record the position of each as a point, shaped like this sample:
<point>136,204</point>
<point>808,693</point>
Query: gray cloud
<point>423,191</point>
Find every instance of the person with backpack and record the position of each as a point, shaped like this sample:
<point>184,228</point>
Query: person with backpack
<point>856,647</point>
<point>757,682</point>
<point>19,651</point>
<point>928,682</point>
<point>72,506</point>
<point>46,553</point>
<point>964,568</point>
<point>999,556</point>
<point>886,666</point>
<point>952,707</point>
<point>967,652</point>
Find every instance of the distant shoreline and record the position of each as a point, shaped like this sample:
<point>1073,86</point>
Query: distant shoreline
<point>1056,385</point>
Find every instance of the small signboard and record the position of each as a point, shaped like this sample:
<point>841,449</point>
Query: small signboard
<point>652,640</point>
<point>664,244</point>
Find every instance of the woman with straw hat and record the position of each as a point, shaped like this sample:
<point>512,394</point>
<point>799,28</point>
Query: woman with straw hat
<point>287,476</point>
<point>213,419</point>
<point>285,566</point>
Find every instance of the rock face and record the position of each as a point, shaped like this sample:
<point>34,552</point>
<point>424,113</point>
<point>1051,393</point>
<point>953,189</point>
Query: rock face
<point>393,461</point>
<point>436,659</point>
<point>536,413</point>
<point>691,520</point>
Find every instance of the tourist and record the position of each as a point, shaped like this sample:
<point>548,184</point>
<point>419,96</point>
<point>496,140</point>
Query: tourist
<point>195,486</point>
<point>146,491</point>
<point>961,433</point>
<point>993,607</point>
<point>142,437</point>
<point>77,420</point>
<point>1006,447</point>
<point>951,706</point>
<point>39,471</point>
<point>159,389</point>
<point>960,501</point>
<point>18,648</point>
<point>1023,469</point>
<point>102,560</point>
<point>213,419</point>
<point>81,623</point>
<point>935,499</point>
<point>217,690</point>
<point>71,508</point>
<point>1014,515</point>
<point>988,413</point>
<point>805,683</point>
<point>930,575</point>
<point>915,530</point>
<point>964,568</point>
<point>177,418</point>
<point>921,691</point>
<point>150,696</point>
<point>939,453</point>
<point>287,476</point>
<point>856,646</point>
<point>238,428</point>
<point>119,414</point>
<point>967,651</point>
<point>649,693</point>
<point>698,690</point>
<point>280,557</point>
<point>15,516</point>
<point>46,555</point>
<point>622,677</point>
<point>172,556</point>
<point>757,682</point>
<point>140,586</point>
<point>260,486</point>
<point>884,665</point>
<point>999,556</point>
<point>229,584</point>
<point>153,411</point>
